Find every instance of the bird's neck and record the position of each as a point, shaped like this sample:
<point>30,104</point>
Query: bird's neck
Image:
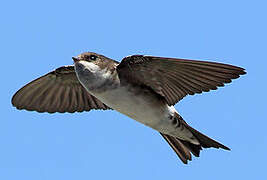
<point>97,79</point>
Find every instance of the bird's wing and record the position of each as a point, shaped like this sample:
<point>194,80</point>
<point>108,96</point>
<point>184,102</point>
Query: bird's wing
<point>173,78</point>
<point>57,91</point>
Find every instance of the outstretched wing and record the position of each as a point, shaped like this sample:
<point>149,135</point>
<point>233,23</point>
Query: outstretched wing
<point>57,91</point>
<point>173,78</point>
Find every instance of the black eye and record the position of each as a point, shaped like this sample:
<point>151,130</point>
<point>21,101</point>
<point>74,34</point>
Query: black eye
<point>92,57</point>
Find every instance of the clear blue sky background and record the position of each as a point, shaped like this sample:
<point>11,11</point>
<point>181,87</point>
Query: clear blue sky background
<point>37,37</point>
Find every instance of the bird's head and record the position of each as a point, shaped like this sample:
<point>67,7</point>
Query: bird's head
<point>93,69</point>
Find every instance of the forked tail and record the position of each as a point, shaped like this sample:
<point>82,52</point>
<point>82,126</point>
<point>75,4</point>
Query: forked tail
<point>184,148</point>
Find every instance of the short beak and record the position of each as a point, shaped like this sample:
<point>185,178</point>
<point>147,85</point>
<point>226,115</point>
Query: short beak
<point>75,59</point>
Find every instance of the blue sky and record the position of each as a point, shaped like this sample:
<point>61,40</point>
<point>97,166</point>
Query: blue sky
<point>37,37</point>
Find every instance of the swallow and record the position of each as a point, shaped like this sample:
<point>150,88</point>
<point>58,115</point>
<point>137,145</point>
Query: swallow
<point>144,88</point>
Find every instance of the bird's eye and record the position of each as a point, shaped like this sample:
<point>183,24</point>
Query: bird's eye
<point>92,57</point>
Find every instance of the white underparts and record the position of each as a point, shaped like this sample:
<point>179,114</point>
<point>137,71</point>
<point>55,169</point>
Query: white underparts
<point>91,75</point>
<point>130,100</point>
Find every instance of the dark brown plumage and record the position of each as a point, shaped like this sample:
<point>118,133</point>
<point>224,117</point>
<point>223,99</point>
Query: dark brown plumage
<point>57,91</point>
<point>184,148</point>
<point>173,78</point>
<point>169,79</point>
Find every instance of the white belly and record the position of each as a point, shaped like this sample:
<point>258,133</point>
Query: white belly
<point>137,103</point>
<point>145,110</point>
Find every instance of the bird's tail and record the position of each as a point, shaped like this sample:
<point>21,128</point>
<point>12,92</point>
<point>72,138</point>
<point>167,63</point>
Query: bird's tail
<point>184,148</point>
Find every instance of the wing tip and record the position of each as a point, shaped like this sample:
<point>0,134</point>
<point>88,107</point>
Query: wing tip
<point>224,147</point>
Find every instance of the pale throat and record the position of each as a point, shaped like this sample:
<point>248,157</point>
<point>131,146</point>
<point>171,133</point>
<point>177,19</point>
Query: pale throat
<point>92,77</point>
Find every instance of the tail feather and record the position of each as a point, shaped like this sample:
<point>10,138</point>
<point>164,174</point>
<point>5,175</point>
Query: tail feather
<point>194,149</point>
<point>184,148</point>
<point>205,141</point>
<point>178,148</point>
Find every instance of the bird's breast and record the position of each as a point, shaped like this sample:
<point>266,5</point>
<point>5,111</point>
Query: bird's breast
<point>135,102</point>
<point>143,106</point>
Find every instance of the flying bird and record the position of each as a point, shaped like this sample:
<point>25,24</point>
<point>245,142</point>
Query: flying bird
<point>144,88</point>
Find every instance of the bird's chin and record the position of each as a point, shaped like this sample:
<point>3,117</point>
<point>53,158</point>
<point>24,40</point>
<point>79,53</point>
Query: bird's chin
<point>82,71</point>
<point>78,66</point>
